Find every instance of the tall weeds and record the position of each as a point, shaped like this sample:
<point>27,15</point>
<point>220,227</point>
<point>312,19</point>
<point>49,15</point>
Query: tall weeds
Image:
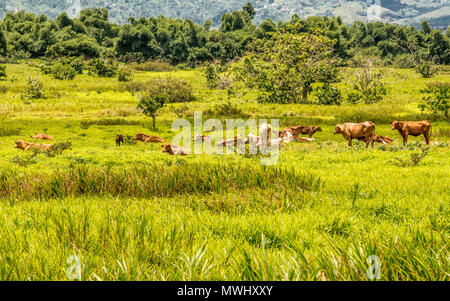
<point>152,180</point>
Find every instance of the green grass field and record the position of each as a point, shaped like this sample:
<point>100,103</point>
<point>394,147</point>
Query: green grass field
<point>135,213</point>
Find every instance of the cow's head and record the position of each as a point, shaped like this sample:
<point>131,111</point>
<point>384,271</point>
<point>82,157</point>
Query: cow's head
<point>20,144</point>
<point>139,136</point>
<point>395,125</point>
<point>167,148</point>
<point>317,129</point>
<point>338,129</point>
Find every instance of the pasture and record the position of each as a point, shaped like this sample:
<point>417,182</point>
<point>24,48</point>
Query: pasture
<point>135,213</point>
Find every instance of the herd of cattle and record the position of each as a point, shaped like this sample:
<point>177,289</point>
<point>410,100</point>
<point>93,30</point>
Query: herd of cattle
<point>364,131</point>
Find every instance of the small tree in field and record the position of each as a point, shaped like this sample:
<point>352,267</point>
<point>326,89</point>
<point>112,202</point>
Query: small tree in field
<point>438,99</point>
<point>368,85</point>
<point>285,65</point>
<point>149,104</point>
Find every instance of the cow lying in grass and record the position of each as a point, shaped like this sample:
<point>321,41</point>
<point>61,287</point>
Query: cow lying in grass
<point>378,139</point>
<point>42,136</point>
<point>29,145</point>
<point>361,131</point>
<point>148,138</point>
<point>202,138</point>
<point>297,130</point>
<point>231,142</point>
<point>174,149</point>
<point>413,128</point>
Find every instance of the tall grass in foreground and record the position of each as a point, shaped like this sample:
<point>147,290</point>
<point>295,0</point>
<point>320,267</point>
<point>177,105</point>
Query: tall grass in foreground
<point>168,239</point>
<point>151,180</point>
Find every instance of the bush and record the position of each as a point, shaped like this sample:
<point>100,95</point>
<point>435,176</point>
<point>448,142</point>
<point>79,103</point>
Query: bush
<point>124,75</point>
<point>439,100</point>
<point>64,69</point>
<point>3,74</point>
<point>174,90</point>
<point>102,68</point>
<point>63,72</point>
<point>58,148</point>
<point>212,78</point>
<point>227,109</point>
<point>76,63</point>
<point>328,95</point>
<point>34,89</point>
<point>426,69</point>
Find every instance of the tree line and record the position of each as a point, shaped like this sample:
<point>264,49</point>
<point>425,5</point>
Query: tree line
<point>92,35</point>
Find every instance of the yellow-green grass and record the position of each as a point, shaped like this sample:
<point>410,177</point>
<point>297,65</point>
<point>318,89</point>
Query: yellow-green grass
<point>317,214</point>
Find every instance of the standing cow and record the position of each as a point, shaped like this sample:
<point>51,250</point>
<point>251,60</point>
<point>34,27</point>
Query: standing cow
<point>361,131</point>
<point>413,128</point>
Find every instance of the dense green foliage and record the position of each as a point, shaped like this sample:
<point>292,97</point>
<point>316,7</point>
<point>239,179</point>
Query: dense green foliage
<point>92,35</point>
<point>284,66</point>
<point>438,99</point>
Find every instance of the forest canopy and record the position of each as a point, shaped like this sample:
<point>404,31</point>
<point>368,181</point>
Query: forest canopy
<point>92,35</point>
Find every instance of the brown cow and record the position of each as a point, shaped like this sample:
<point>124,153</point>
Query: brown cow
<point>231,142</point>
<point>148,138</point>
<point>119,139</point>
<point>413,128</point>
<point>379,139</point>
<point>28,145</point>
<point>361,131</point>
<point>296,130</point>
<point>173,149</point>
<point>42,136</point>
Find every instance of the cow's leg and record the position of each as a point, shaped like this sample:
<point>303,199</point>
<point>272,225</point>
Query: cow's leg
<point>405,139</point>
<point>310,135</point>
<point>427,138</point>
<point>350,142</point>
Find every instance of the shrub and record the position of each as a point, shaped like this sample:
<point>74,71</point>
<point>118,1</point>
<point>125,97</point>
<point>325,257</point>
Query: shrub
<point>227,109</point>
<point>328,95</point>
<point>426,69</point>
<point>58,148</point>
<point>76,63</point>
<point>174,90</point>
<point>414,160</point>
<point>34,89</point>
<point>129,140</point>
<point>212,78</point>
<point>102,68</point>
<point>3,74</point>
<point>439,100</point>
<point>63,72</point>
<point>124,75</point>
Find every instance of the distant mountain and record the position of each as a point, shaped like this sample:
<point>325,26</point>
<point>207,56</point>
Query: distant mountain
<point>411,12</point>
